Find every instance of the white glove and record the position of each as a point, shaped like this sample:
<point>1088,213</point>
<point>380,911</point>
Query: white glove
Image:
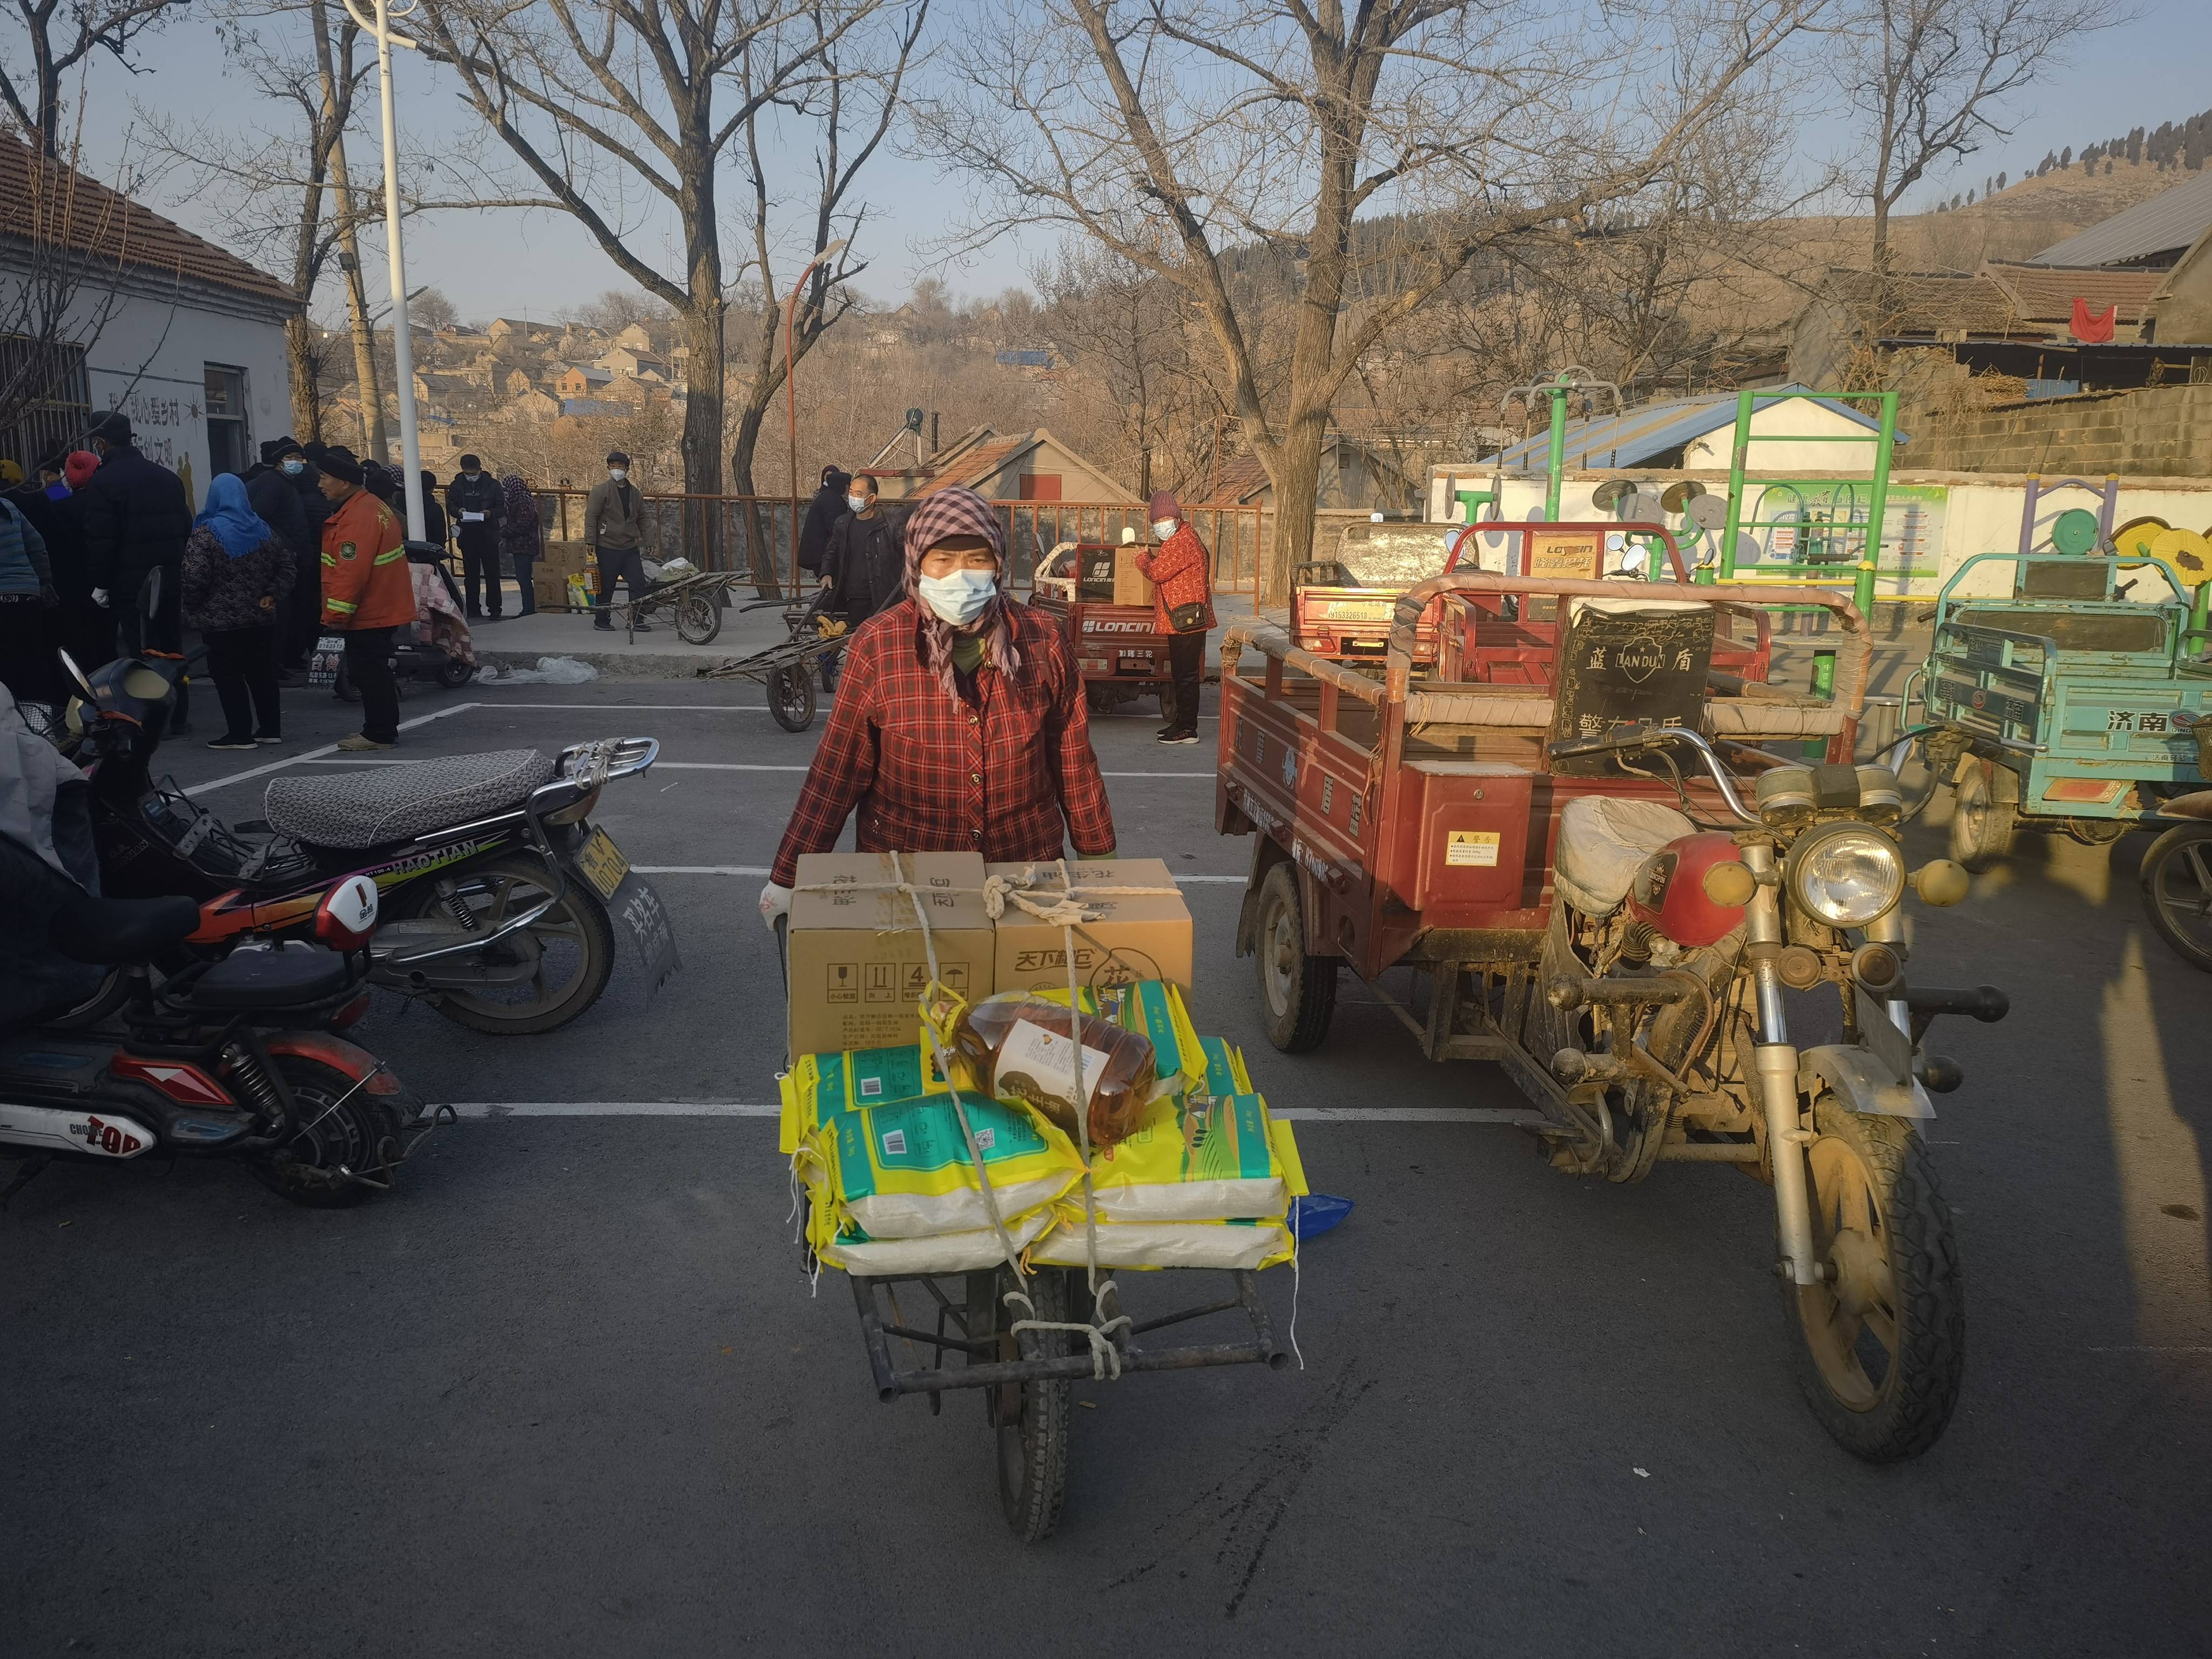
<point>774,902</point>
<point>100,597</point>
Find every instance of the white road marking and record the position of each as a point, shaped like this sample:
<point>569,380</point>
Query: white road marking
<point>316,753</point>
<point>763,870</point>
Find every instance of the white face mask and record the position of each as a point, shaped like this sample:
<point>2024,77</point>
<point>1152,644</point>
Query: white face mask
<point>858,503</point>
<point>1163,528</point>
<point>472,476</point>
<point>293,467</point>
<point>962,597</point>
<point>618,473</point>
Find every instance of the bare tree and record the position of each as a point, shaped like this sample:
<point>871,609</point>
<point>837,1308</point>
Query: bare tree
<point>60,40</point>
<point>281,189</point>
<point>846,105</point>
<point>1183,133</point>
<point>1125,331</point>
<point>600,99</point>
<point>1931,81</point>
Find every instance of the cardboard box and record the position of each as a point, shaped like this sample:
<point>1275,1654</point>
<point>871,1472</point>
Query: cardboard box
<point>564,558</point>
<point>1131,585</point>
<point>1144,936</point>
<point>857,964</point>
<point>1095,581</point>
<point>550,589</point>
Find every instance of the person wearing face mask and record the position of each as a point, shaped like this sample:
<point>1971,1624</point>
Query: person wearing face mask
<point>614,532</point>
<point>475,505</point>
<point>303,622</point>
<point>1183,609</point>
<point>823,513</point>
<point>959,724</point>
<point>269,494</point>
<point>865,563</point>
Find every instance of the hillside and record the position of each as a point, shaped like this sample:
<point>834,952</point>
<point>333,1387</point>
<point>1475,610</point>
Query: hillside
<point>2075,195</point>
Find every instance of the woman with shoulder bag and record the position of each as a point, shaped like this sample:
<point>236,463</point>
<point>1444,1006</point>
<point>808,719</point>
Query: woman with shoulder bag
<point>236,574</point>
<point>1182,608</point>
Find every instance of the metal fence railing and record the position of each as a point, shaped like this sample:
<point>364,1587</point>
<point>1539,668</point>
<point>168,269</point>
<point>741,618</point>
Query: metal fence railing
<point>753,534</point>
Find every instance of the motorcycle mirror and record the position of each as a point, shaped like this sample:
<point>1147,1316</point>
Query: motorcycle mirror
<point>78,675</point>
<point>149,593</point>
<point>347,916</point>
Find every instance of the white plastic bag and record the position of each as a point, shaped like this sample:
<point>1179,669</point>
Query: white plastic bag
<point>550,670</point>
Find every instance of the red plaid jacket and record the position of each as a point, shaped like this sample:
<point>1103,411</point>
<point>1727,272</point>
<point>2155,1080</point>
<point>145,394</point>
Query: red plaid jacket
<point>928,774</point>
<point>1179,573</point>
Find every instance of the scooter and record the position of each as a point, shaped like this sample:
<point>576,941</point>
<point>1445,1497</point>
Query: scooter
<point>499,897</point>
<point>412,657</point>
<point>238,1058</point>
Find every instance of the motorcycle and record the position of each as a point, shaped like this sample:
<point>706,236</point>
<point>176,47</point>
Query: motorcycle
<point>238,1058</point>
<point>498,896</point>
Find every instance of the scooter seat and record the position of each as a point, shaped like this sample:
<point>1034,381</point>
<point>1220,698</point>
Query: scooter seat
<point>280,978</point>
<point>107,931</point>
<point>1603,841</point>
<point>384,804</point>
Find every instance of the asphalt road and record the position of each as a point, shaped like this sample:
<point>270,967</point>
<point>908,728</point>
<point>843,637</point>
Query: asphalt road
<point>565,1392</point>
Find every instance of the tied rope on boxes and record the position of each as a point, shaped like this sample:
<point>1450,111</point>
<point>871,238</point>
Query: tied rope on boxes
<point>1105,1356</point>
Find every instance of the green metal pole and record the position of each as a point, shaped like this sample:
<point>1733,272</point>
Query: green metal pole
<point>1738,455</point>
<point>1824,688</point>
<point>1863,589</point>
<point>1555,462</point>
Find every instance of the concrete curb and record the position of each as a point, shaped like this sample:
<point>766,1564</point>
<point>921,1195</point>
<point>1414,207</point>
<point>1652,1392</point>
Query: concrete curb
<point>633,665</point>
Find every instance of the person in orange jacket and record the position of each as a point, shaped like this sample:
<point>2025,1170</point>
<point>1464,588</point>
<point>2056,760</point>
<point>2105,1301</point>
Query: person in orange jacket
<point>1182,593</point>
<point>367,593</point>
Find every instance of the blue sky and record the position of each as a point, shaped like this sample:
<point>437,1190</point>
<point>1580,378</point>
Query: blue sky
<point>2144,72</point>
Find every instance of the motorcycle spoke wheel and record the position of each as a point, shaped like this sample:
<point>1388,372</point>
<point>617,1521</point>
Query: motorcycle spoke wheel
<point>344,1142</point>
<point>570,949</point>
<point>1881,1338</point>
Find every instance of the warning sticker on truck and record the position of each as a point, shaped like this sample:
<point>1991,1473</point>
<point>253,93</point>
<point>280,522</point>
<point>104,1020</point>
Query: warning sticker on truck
<point>1471,847</point>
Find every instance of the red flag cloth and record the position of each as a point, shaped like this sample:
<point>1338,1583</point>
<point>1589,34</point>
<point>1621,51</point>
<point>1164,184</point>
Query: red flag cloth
<point>2091,329</point>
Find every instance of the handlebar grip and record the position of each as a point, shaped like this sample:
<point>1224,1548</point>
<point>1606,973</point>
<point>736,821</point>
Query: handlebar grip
<point>1984,1002</point>
<point>1635,736</point>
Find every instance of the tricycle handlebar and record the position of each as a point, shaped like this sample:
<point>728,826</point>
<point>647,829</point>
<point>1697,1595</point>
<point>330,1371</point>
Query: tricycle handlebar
<point>1643,734</point>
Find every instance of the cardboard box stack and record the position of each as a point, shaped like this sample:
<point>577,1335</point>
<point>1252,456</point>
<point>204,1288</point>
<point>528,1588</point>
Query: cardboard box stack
<point>557,562</point>
<point>1109,576</point>
<point>1206,1178</point>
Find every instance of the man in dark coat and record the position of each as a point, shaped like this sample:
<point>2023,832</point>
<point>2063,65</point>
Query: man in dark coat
<point>475,504</point>
<point>822,515</point>
<point>304,608</point>
<point>136,521</point>
<point>269,491</point>
<point>865,560</point>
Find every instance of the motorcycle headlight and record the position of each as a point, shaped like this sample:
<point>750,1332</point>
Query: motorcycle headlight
<point>1846,875</point>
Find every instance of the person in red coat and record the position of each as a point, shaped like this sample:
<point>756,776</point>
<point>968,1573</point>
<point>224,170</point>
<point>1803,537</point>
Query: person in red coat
<point>1181,575</point>
<point>959,724</point>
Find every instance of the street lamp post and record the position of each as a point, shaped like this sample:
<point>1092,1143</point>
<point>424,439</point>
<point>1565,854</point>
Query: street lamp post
<point>378,27</point>
<point>791,386</point>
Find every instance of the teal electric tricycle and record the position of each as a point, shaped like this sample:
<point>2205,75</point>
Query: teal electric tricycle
<point>2065,703</point>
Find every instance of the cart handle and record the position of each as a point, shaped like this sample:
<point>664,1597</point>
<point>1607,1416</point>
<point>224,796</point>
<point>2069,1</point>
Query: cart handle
<point>1271,640</point>
<point>1852,671</point>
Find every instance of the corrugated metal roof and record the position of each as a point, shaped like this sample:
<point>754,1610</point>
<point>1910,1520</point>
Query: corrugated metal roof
<point>1641,436</point>
<point>2172,219</point>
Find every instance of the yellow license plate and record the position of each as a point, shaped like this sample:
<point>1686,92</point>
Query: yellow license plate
<point>602,862</point>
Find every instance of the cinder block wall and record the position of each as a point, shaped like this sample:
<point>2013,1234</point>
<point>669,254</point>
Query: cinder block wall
<point>2161,432</point>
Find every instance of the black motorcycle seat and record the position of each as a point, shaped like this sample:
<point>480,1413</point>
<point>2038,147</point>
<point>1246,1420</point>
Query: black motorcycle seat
<point>379,805</point>
<point>106,931</point>
<point>271,979</point>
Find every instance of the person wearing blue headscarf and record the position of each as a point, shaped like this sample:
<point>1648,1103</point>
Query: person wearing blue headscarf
<point>236,573</point>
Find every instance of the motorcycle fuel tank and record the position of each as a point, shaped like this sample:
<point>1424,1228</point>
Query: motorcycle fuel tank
<point>1670,890</point>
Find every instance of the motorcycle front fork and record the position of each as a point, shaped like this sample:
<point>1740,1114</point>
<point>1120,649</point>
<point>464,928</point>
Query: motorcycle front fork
<point>1776,1064</point>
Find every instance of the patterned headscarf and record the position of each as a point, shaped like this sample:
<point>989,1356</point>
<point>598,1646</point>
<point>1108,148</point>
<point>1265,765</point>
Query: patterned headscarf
<point>945,514</point>
<point>521,506</point>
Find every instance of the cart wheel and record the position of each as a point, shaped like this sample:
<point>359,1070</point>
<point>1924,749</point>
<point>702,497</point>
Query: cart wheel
<point>698,621</point>
<point>2177,889</point>
<point>1033,1449</point>
<point>1981,825</point>
<point>1298,992</point>
<point>1100,700</point>
<point>453,673</point>
<point>2097,832</point>
<point>827,671</point>
<point>1881,1342</point>
<point>790,696</point>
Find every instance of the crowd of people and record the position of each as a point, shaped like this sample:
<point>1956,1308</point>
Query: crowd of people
<point>102,554</point>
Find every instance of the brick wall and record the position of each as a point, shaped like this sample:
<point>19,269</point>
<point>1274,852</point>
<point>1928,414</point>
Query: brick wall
<point>2162,432</point>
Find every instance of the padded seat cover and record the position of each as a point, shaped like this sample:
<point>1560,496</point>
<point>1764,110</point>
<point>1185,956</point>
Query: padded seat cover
<point>382,803</point>
<point>280,978</point>
<point>1603,841</point>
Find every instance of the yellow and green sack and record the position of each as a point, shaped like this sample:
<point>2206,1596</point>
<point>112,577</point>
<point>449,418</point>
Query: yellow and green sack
<point>1197,1157</point>
<point>849,1248</point>
<point>901,1169</point>
<point>1140,1245</point>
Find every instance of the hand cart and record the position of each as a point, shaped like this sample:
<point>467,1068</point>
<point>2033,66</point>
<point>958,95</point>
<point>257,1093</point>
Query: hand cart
<point>695,602</point>
<point>787,670</point>
<point>1025,1375</point>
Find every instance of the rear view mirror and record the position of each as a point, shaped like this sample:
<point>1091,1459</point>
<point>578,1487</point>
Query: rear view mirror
<point>77,675</point>
<point>149,593</point>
